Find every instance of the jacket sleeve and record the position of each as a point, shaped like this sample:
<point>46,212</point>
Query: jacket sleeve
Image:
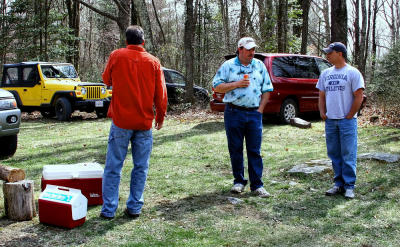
<point>160,96</point>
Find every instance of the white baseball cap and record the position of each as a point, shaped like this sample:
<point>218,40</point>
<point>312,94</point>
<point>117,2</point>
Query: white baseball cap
<point>247,42</point>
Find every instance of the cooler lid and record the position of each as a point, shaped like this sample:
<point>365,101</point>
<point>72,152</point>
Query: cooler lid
<point>80,170</point>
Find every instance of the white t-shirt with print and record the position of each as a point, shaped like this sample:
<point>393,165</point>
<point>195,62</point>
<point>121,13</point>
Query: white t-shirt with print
<point>339,86</point>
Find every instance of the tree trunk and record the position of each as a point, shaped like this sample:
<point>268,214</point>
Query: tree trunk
<point>10,174</point>
<point>243,19</point>
<point>374,44</point>
<point>223,8</point>
<point>74,24</point>
<point>339,21</point>
<point>189,51</point>
<point>356,54</point>
<point>305,6</point>
<point>19,201</point>
<point>146,24</point>
<point>363,39</point>
<point>158,22</point>
<point>282,25</point>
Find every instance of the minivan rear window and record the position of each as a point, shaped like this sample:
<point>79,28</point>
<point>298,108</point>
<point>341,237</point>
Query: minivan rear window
<point>295,67</point>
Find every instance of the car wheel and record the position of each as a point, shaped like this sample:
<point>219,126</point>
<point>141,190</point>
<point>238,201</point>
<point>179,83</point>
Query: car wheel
<point>63,109</point>
<point>47,113</point>
<point>8,146</point>
<point>288,111</point>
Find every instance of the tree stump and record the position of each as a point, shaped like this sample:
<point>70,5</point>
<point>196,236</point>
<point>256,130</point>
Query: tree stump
<point>10,174</point>
<point>19,201</point>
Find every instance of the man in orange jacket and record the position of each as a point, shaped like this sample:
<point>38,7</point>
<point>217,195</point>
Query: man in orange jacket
<point>138,85</point>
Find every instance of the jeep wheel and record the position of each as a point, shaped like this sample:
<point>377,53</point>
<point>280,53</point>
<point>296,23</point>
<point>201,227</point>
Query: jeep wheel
<point>101,113</point>
<point>47,113</point>
<point>288,111</point>
<point>63,109</point>
<point>8,146</point>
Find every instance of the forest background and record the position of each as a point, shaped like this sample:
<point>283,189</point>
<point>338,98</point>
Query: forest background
<point>193,36</point>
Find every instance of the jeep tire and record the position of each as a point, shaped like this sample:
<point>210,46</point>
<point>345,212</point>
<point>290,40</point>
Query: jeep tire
<point>63,109</point>
<point>8,146</point>
<point>288,110</point>
<point>101,113</point>
<point>48,113</point>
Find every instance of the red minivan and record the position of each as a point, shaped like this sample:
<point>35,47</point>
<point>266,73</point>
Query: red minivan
<point>294,78</point>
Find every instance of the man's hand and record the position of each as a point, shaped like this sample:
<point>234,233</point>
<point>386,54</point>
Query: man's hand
<point>226,87</point>
<point>243,83</point>
<point>323,116</point>
<point>158,125</point>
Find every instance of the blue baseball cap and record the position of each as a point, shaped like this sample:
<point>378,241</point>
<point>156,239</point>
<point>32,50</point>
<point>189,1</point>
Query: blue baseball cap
<point>336,46</point>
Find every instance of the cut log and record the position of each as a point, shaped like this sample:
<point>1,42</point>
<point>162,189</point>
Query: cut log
<point>10,174</point>
<point>298,122</point>
<point>19,201</point>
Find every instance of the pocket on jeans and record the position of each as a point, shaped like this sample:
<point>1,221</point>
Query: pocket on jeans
<point>117,133</point>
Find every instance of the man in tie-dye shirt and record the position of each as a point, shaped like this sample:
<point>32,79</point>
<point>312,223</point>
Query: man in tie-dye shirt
<point>246,84</point>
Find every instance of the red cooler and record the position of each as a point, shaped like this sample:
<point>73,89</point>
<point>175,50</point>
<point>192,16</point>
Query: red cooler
<point>62,206</point>
<point>84,176</point>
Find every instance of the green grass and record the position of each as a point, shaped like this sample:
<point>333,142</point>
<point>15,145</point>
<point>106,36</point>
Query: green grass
<point>188,184</point>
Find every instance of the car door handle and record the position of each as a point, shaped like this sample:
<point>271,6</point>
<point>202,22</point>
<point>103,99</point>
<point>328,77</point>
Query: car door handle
<point>25,90</point>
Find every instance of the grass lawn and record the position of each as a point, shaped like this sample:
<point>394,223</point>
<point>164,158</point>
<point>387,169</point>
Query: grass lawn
<point>186,197</point>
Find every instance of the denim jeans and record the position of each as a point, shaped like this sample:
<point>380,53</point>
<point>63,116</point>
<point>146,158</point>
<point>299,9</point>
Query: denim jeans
<point>118,142</point>
<point>240,125</point>
<point>341,143</point>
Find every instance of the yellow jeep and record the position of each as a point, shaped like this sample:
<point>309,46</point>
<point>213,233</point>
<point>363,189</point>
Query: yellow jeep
<point>54,89</point>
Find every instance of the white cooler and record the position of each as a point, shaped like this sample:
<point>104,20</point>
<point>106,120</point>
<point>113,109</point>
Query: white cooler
<point>62,206</point>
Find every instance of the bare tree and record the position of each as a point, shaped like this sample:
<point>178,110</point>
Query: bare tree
<point>392,19</point>
<point>74,25</point>
<point>189,51</point>
<point>305,6</point>
<point>223,8</point>
<point>339,21</point>
<point>282,11</point>
<point>243,19</point>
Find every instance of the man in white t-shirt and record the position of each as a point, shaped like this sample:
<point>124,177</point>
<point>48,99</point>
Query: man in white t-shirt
<point>341,90</point>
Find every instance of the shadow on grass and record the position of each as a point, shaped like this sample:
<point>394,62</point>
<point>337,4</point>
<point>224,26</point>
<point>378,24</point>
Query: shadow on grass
<point>199,129</point>
<point>177,210</point>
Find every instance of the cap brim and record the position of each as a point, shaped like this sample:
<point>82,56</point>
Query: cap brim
<point>327,50</point>
<point>250,45</point>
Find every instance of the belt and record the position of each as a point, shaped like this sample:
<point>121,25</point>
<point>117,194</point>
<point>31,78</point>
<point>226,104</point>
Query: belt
<point>242,107</point>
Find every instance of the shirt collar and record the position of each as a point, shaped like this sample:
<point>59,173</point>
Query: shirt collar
<point>237,62</point>
<point>135,47</point>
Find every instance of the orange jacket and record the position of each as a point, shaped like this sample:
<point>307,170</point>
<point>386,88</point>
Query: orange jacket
<point>138,83</point>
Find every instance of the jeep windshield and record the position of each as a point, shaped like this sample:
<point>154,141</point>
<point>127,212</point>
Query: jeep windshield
<point>59,71</point>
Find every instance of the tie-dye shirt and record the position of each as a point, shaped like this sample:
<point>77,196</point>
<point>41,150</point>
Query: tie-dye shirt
<point>232,70</point>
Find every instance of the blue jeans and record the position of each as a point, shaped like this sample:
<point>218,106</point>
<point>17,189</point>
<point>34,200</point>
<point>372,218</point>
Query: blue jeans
<point>341,143</point>
<point>118,142</point>
<point>247,125</point>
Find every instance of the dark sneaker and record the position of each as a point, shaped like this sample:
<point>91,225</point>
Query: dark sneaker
<point>104,217</point>
<point>349,194</point>
<point>130,215</point>
<point>237,188</point>
<point>334,191</point>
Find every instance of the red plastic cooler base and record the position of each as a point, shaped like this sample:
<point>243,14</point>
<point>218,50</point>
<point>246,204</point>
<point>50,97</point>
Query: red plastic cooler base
<point>91,187</point>
<point>58,214</point>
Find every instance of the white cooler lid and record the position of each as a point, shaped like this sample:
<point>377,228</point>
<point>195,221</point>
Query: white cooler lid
<point>80,170</point>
